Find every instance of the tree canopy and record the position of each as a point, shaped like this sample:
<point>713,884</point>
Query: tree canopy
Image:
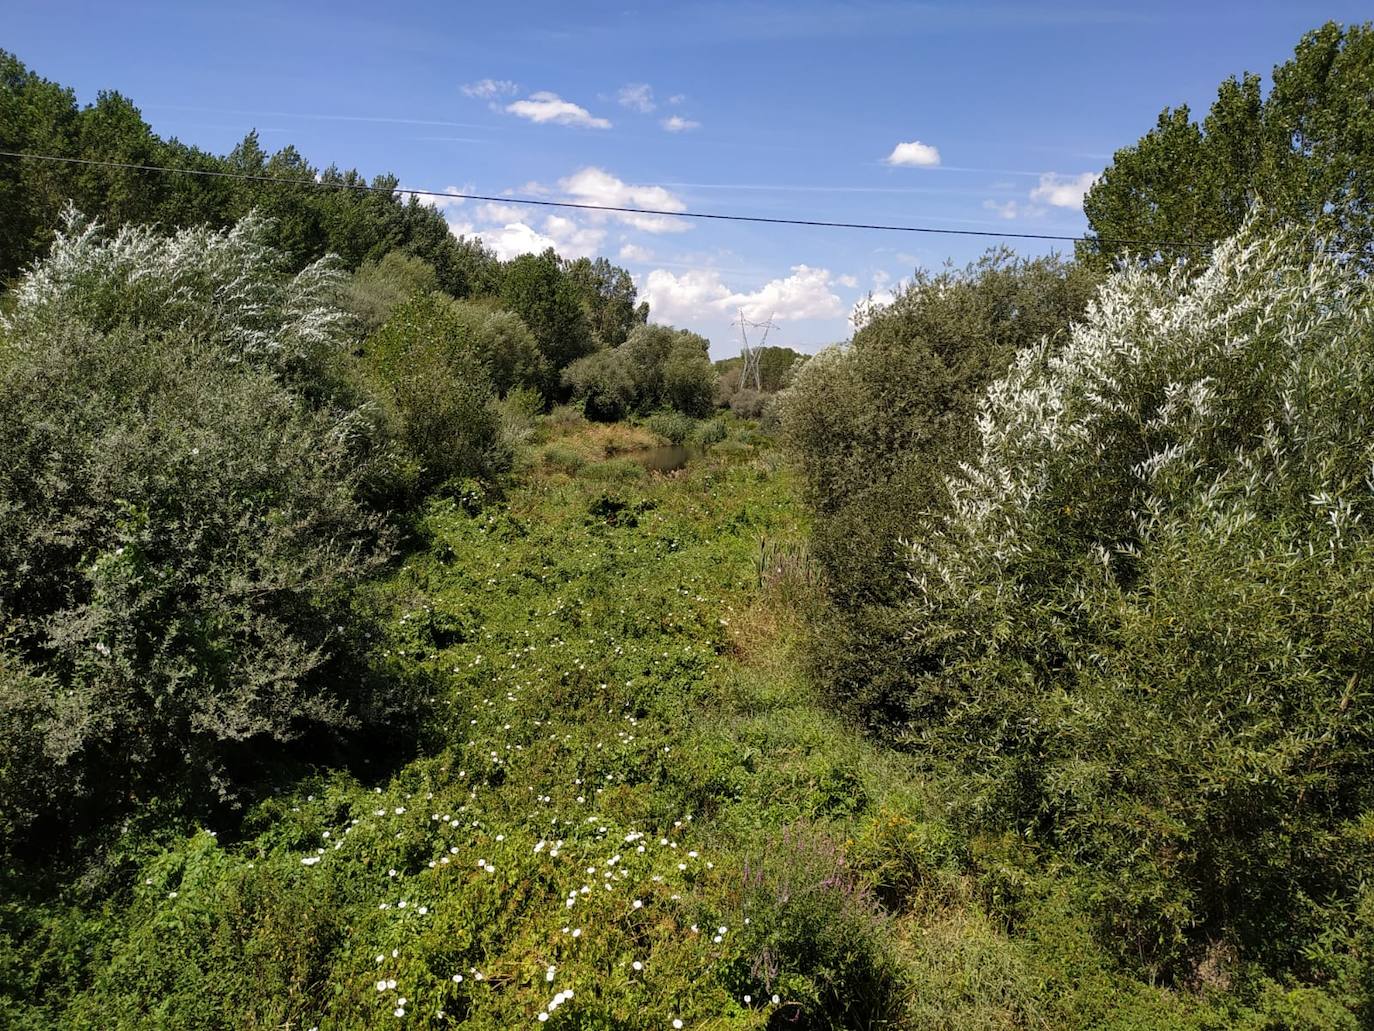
<point>1303,154</point>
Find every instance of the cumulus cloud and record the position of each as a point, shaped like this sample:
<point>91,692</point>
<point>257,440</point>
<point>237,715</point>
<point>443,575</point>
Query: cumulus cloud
<point>490,89</point>
<point>444,203</point>
<point>915,153</point>
<point>510,239</point>
<point>489,212</point>
<point>700,293</point>
<point>1010,209</point>
<point>545,107</point>
<point>637,96</point>
<point>634,252</point>
<point>596,186</point>
<point>1063,191</point>
<point>676,123</point>
<point>573,239</point>
<point>848,281</point>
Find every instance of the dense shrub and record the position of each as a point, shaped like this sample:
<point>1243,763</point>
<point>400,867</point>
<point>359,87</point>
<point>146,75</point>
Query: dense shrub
<point>436,392</point>
<point>1142,620</point>
<point>656,366</point>
<point>603,383</point>
<point>875,424</point>
<point>816,935</point>
<point>673,427</point>
<point>378,287</point>
<point>179,522</point>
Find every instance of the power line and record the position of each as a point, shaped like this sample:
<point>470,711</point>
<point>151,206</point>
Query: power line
<point>365,188</point>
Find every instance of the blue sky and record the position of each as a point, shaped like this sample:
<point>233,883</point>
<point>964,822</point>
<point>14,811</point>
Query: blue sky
<point>965,115</point>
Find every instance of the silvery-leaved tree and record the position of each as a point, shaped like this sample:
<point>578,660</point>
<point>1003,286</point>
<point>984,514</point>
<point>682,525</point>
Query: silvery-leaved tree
<point>1147,604</point>
<point>181,530</point>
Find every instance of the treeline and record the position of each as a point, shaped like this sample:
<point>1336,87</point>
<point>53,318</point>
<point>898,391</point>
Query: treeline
<point>223,399</point>
<point>396,245</point>
<point>1096,544</point>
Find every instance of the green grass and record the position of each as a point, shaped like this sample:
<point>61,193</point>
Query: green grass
<point>628,800</point>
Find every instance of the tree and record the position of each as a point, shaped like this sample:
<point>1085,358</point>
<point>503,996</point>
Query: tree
<point>689,380</point>
<point>436,390</point>
<point>182,525</point>
<point>650,350</point>
<point>608,296</point>
<point>535,287</point>
<point>1304,155</point>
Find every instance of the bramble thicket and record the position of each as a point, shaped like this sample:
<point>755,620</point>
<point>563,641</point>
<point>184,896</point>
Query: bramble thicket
<point>1007,666</point>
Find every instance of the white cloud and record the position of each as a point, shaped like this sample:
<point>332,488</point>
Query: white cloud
<point>695,295</point>
<point>915,153</point>
<point>545,107</point>
<point>677,98</point>
<point>638,96</point>
<point>848,281</point>
<point>490,212</point>
<point>573,239</point>
<point>676,123</point>
<point>490,89</point>
<point>1063,191</point>
<point>701,294</point>
<point>443,203</point>
<point>1010,209</point>
<point>511,239</point>
<point>595,186</point>
<point>805,294</point>
<point>634,252</point>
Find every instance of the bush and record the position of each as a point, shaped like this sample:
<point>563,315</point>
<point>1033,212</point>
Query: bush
<point>379,287</point>
<point>603,384</point>
<point>712,432</point>
<point>180,529</point>
<point>673,427</point>
<point>1142,619</point>
<point>816,936</point>
<point>435,390</point>
<point>874,425</point>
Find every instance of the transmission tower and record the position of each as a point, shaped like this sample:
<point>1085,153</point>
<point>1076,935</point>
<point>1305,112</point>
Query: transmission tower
<point>751,352</point>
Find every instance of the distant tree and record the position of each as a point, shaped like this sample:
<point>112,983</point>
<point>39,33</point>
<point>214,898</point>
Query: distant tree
<point>313,211</point>
<point>535,287</point>
<point>1305,154</point>
<point>608,295</point>
<point>602,381</point>
<point>689,381</point>
<point>378,287</point>
<point>436,391</point>
<point>649,351</point>
<point>40,116</point>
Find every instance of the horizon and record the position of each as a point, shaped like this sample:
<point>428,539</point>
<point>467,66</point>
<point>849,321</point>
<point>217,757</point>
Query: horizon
<point>694,115</point>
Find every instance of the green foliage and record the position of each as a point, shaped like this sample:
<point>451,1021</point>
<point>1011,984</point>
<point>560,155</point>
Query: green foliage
<point>181,524</point>
<point>816,936</point>
<point>608,296</point>
<point>1142,617</point>
<point>535,287</point>
<point>378,287</point>
<point>1303,154</point>
<point>431,375</point>
<point>307,221</point>
<point>674,427</point>
<point>602,382</point>
<point>657,366</point>
<point>875,424</point>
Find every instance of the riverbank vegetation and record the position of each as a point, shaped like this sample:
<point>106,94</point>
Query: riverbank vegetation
<point>1006,667</point>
